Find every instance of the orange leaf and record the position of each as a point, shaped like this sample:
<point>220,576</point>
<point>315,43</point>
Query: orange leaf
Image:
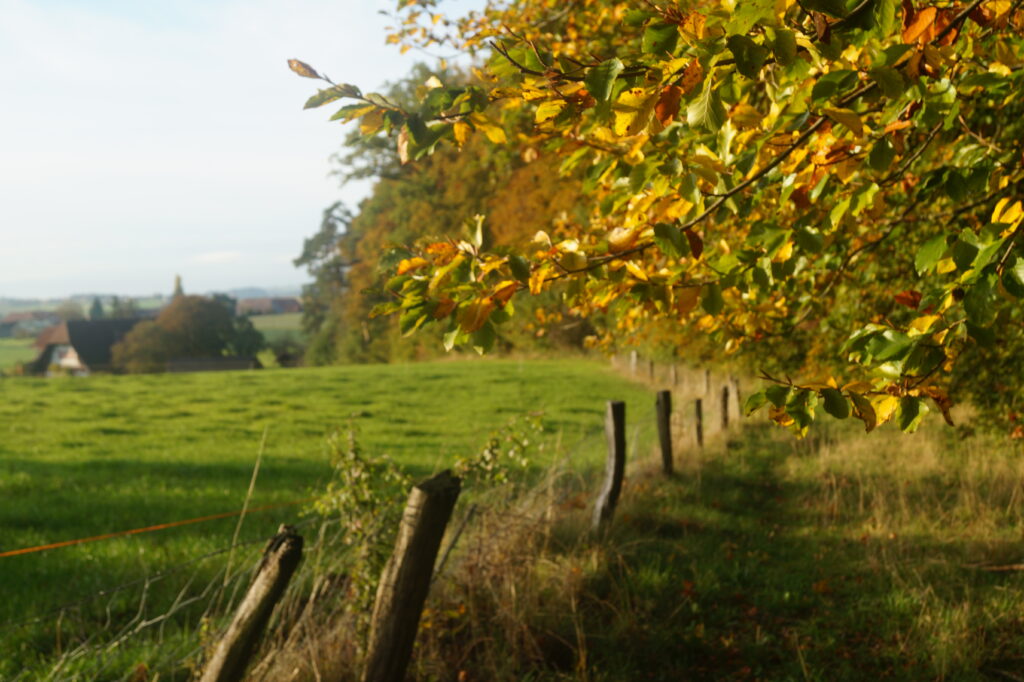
<point>919,25</point>
<point>909,298</point>
<point>504,291</point>
<point>693,75</point>
<point>668,104</point>
<point>475,314</point>
<point>444,308</point>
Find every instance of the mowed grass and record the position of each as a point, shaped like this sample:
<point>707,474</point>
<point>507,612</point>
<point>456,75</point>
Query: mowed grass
<point>279,327</point>
<point>13,351</point>
<point>81,457</point>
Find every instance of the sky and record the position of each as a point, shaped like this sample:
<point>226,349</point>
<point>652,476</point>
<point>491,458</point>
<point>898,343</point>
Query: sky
<point>143,139</point>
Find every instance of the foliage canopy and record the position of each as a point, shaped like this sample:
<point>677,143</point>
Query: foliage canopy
<point>839,179</point>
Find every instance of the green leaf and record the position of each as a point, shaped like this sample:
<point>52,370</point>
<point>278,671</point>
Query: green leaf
<point>964,254</point>
<point>889,81</point>
<point>330,94</point>
<point>660,39</point>
<point>750,56</point>
<point>706,110</point>
<point>520,268</point>
<point>484,338</point>
<point>411,320</point>
<point>750,12</point>
<point>809,239</point>
<point>979,304</point>
<point>833,83</point>
<point>711,300</point>
<point>670,240</point>
<point>778,394</point>
<point>1013,279</point>
<point>833,8</point>
<point>754,402</point>
<point>784,46</point>
<point>600,79</point>
<point>930,254</point>
<point>910,413</point>
<point>451,338</point>
<point>835,404</point>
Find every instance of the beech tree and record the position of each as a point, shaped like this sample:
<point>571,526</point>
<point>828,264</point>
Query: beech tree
<point>843,175</point>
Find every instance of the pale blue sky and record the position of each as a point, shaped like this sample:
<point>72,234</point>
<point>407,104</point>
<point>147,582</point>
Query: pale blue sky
<point>143,139</point>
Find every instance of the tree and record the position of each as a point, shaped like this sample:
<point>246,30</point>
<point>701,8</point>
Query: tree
<point>841,178</point>
<point>96,309</point>
<point>190,327</point>
<point>178,290</point>
<point>70,310</point>
<point>123,308</point>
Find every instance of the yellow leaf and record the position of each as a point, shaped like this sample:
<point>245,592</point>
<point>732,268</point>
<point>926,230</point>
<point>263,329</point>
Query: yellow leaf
<point>637,271</point>
<point>537,278</point>
<point>621,238</point>
<point>922,324</point>
<point>946,265</point>
<point>780,416</point>
<point>302,68</point>
<point>461,129</point>
<point>885,407</point>
<point>410,264</point>
<point>848,118</point>
<point>493,131</point>
<point>633,111</point>
<point>372,122</point>
<point>1005,213</point>
<point>784,254</point>
<point>474,315</point>
<point>548,110</point>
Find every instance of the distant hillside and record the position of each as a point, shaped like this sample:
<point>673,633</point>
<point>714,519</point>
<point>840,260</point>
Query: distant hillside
<point>11,305</point>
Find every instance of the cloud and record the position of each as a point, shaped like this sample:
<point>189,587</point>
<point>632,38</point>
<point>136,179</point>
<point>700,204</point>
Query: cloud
<point>217,257</point>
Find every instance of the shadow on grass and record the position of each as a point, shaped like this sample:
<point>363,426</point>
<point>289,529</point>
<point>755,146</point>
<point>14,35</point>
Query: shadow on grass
<point>734,576</point>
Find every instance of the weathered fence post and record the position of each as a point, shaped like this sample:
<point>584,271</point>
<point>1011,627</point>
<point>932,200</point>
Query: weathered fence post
<point>615,466</point>
<point>707,382</point>
<point>663,409</point>
<point>698,413</point>
<point>736,400</point>
<point>673,374</point>
<point>725,407</point>
<point>405,580</point>
<point>634,358</point>
<point>650,369</point>
<point>234,650</point>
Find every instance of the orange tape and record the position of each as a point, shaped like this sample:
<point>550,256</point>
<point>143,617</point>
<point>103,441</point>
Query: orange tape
<point>136,531</point>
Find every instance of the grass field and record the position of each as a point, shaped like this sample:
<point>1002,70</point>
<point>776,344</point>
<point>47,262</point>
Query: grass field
<point>85,456</point>
<point>278,327</point>
<point>13,351</point>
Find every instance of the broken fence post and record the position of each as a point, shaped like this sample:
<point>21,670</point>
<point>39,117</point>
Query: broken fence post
<point>663,410</point>
<point>234,650</point>
<point>405,581</point>
<point>615,466</point>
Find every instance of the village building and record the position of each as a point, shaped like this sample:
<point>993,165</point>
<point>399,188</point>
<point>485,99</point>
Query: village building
<point>268,306</point>
<point>78,347</point>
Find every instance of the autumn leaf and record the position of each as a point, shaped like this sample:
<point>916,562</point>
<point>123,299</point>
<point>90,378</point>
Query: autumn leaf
<point>909,298</point>
<point>302,68</point>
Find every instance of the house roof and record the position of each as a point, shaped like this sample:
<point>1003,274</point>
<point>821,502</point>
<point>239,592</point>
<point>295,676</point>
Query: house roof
<point>91,339</point>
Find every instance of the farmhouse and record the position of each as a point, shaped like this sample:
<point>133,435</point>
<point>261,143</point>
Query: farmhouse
<point>268,306</point>
<point>78,347</point>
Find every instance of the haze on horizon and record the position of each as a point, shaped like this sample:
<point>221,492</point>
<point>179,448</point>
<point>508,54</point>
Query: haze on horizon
<point>145,140</point>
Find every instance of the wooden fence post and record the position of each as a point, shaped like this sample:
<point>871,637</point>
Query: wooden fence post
<point>707,382</point>
<point>650,369</point>
<point>673,374</point>
<point>736,400</point>
<point>663,411</point>
<point>405,580</point>
<point>725,407</point>
<point>698,413</point>
<point>634,358</point>
<point>615,466</point>
<point>234,650</point>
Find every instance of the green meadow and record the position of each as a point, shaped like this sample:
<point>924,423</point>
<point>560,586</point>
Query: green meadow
<point>13,351</point>
<point>80,457</point>
<point>279,327</point>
